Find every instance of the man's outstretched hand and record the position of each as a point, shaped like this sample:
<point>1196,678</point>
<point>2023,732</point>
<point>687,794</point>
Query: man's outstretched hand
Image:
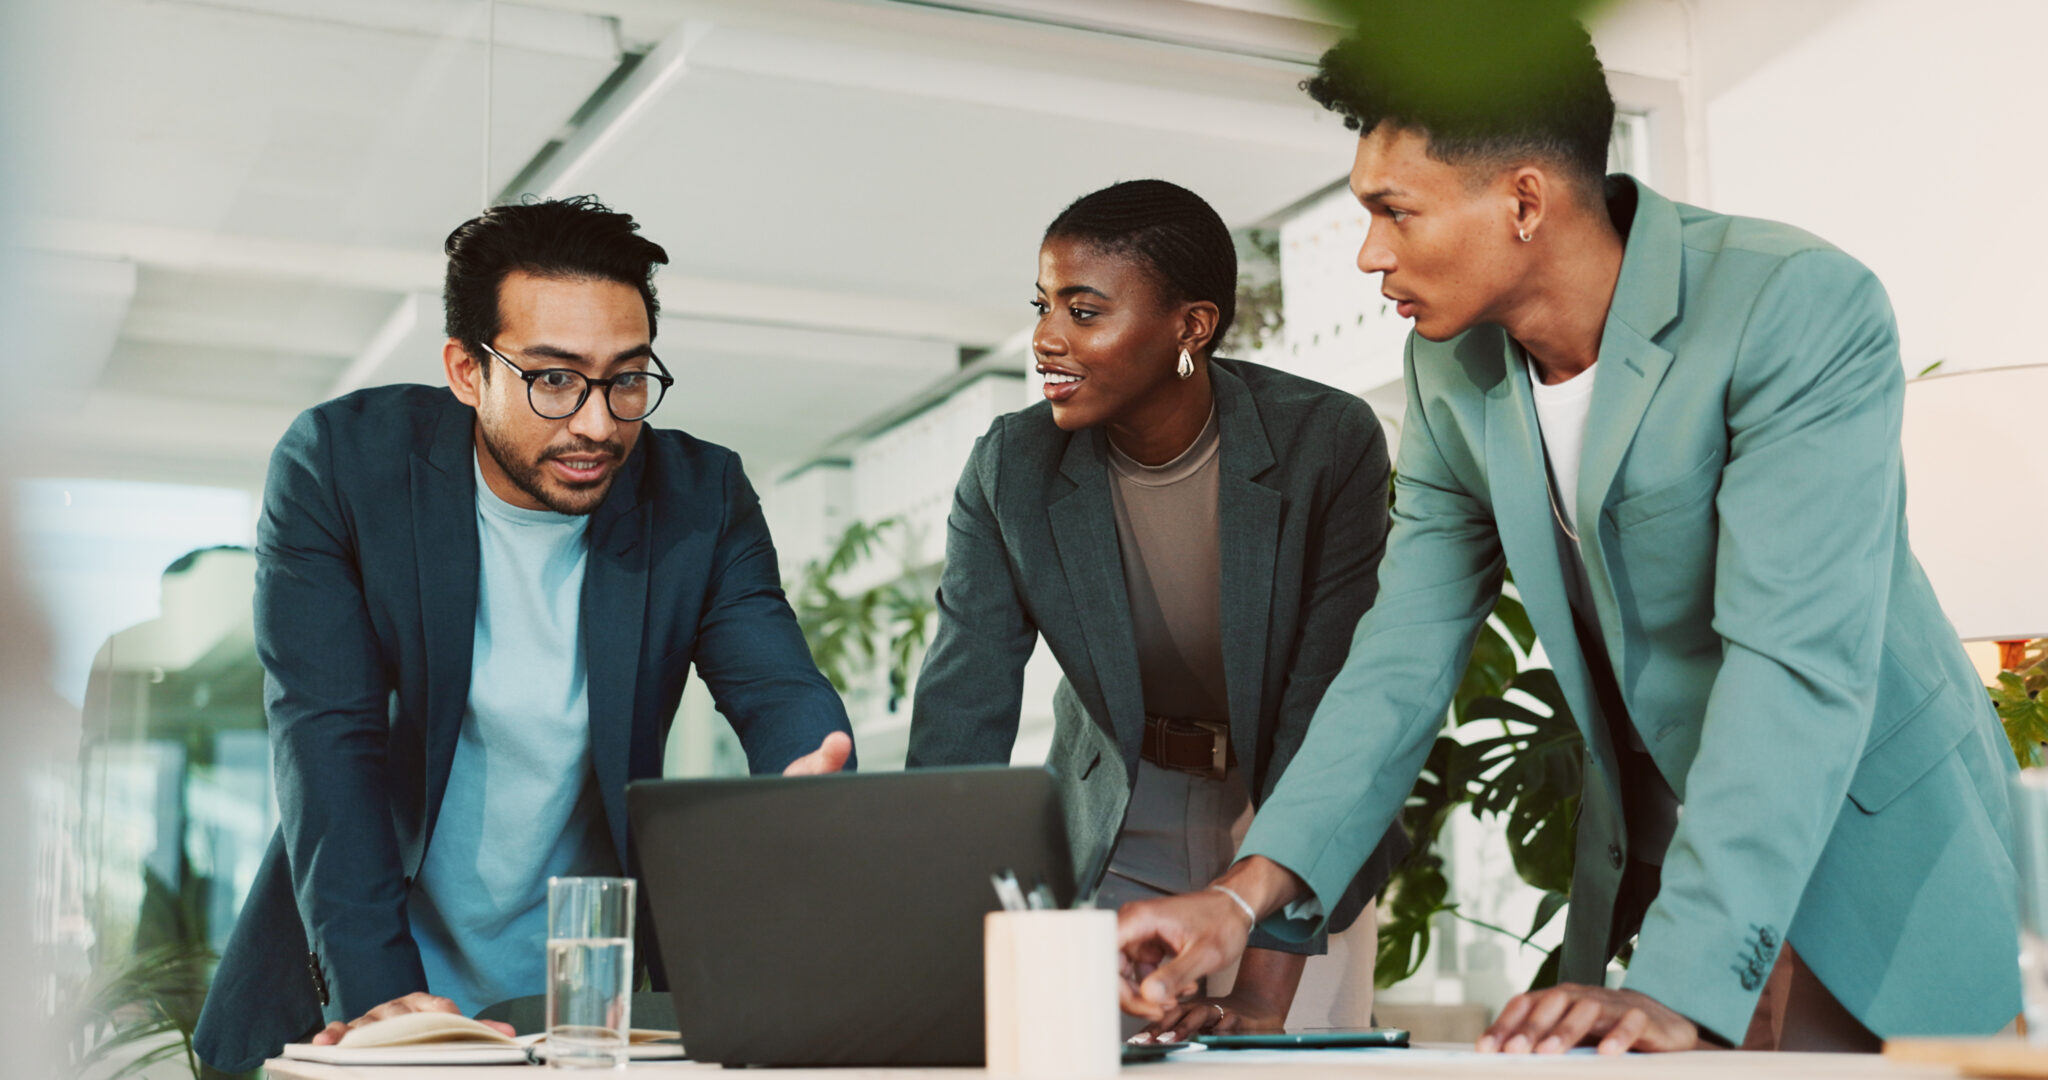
<point>1555,1020</point>
<point>829,757</point>
<point>410,1003</point>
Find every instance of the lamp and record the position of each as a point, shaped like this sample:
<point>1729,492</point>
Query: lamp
<point>1977,499</point>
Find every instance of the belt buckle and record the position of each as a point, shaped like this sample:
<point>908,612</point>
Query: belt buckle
<point>1219,747</point>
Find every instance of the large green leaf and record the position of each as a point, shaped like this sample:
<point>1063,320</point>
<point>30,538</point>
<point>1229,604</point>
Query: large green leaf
<point>1515,617</point>
<point>1546,910</point>
<point>1491,667</point>
<point>1412,902</point>
<point>2025,716</point>
<point>1532,776</point>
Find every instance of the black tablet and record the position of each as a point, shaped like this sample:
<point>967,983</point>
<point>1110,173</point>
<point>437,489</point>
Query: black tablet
<point>1306,1040</point>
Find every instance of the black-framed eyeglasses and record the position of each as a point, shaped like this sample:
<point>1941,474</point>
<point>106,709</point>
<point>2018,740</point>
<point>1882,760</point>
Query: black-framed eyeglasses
<point>556,393</point>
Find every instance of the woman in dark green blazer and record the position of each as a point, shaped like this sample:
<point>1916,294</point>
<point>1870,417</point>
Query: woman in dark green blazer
<point>1194,537</point>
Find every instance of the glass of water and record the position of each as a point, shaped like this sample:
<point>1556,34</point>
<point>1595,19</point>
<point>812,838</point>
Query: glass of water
<point>590,971</point>
<point>2030,844</point>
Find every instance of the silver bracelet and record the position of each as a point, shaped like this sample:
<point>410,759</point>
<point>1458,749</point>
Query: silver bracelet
<point>1249,913</point>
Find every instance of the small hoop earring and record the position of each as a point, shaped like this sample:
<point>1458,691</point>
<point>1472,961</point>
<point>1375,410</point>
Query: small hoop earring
<point>1525,234</point>
<point>1187,365</point>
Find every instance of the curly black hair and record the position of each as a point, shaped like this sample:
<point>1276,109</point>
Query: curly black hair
<point>1488,82</point>
<point>1174,232</point>
<point>577,237</point>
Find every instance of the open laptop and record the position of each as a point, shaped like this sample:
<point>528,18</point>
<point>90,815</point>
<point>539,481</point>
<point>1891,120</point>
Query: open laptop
<point>836,920</point>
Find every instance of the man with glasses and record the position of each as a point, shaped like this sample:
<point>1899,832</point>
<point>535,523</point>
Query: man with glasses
<point>476,608</point>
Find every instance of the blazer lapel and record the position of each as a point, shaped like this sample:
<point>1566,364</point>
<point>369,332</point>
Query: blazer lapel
<point>1084,531</point>
<point>1631,367</point>
<point>1249,531</point>
<point>1516,476</point>
<point>443,491</point>
<point>613,614</point>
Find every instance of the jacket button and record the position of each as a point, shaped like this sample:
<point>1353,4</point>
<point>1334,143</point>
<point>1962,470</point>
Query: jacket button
<point>1614,855</point>
<point>319,980</point>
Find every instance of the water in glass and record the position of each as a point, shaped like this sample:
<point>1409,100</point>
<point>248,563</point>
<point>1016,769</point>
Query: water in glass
<point>590,971</point>
<point>590,996</point>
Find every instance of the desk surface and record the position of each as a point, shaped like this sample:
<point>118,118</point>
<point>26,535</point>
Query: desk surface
<point>1427,1063</point>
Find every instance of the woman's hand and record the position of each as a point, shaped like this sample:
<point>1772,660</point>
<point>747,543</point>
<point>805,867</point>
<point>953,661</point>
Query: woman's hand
<point>1259,1001</point>
<point>1226,1015</point>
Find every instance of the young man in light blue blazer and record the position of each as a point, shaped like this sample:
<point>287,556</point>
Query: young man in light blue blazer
<point>1681,431</point>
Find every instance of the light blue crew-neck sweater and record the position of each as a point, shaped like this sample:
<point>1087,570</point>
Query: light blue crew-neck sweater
<point>522,801</point>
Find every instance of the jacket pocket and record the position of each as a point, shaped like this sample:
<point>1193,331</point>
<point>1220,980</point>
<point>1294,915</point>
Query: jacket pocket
<point>1699,482</point>
<point>1921,727</point>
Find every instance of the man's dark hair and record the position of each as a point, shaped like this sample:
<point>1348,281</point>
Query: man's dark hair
<point>1178,236</point>
<point>1488,82</point>
<point>576,238</point>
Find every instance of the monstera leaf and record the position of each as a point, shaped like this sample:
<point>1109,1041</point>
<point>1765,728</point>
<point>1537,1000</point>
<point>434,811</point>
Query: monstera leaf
<point>1528,776</point>
<point>1418,896</point>
<point>1452,775</point>
<point>1493,660</point>
<point>1531,775</point>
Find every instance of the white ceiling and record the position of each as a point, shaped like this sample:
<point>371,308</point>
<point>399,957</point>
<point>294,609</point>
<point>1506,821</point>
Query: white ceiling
<point>249,196</point>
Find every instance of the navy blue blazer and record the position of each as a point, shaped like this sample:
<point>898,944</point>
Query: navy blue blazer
<point>366,595</point>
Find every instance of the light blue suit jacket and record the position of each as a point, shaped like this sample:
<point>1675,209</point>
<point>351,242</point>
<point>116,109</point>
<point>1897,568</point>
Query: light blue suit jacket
<point>1742,512</point>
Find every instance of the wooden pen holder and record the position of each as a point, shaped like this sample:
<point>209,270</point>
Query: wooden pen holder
<point>1051,993</point>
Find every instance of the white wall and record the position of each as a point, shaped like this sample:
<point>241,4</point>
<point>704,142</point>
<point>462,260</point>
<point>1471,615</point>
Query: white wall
<point>1907,133</point>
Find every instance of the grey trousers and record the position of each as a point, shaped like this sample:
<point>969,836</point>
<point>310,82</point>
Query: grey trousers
<point>1181,832</point>
<point>1177,835</point>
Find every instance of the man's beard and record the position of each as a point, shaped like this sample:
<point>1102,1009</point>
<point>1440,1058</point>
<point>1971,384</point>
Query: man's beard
<point>563,498</point>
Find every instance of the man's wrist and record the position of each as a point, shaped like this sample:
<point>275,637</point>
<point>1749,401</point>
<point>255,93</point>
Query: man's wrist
<point>1262,883</point>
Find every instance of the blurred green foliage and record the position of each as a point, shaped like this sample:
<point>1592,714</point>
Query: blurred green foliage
<point>1468,58</point>
<point>849,632</point>
<point>1528,773</point>
<point>2021,698</point>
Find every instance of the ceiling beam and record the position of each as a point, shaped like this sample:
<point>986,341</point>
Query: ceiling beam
<point>200,251</point>
<point>405,349</point>
<point>407,271</point>
<point>74,307</point>
<point>148,437</point>
<point>526,27</point>
<point>1297,37</point>
<point>408,347</point>
<point>621,110</point>
<point>1286,31</point>
<point>1286,120</point>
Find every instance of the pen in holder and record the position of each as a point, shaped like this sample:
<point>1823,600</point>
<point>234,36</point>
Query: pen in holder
<point>1051,993</point>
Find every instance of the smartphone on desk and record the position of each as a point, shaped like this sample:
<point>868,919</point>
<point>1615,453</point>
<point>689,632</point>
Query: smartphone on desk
<point>1305,1040</point>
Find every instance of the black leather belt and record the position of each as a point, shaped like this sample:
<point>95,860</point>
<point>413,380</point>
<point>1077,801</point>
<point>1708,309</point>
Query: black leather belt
<point>1201,747</point>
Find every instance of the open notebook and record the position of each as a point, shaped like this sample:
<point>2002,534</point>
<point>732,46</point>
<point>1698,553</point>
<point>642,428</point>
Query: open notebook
<point>432,1038</point>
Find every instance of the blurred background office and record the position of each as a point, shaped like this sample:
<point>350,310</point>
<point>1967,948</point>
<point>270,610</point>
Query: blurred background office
<point>221,212</point>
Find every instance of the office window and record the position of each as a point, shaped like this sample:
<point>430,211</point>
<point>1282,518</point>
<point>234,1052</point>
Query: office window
<point>1628,149</point>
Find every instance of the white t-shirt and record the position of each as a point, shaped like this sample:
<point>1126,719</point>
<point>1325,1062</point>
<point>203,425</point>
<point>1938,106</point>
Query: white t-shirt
<point>1561,411</point>
<point>1649,805</point>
